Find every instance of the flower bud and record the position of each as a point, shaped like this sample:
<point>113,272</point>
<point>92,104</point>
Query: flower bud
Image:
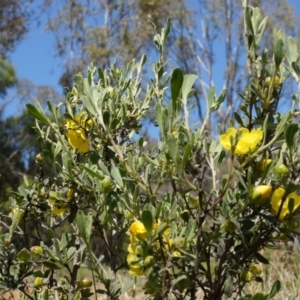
<point>70,194</point>
<point>282,170</point>
<point>111,91</point>
<point>42,193</point>
<point>229,226</point>
<point>263,164</point>
<point>36,251</point>
<point>255,269</point>
<point>246,276</point>
<point>260,194</point>
<point>194,201</point>
<point>85,282</point>
<point>276,81</point>
<point>106,185</point>
<point>39,158</point>
<point>292,224</point>
<point>148,262</point>
<point>38,282</point>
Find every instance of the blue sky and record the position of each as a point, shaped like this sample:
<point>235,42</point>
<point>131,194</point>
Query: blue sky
<point>35,60</point>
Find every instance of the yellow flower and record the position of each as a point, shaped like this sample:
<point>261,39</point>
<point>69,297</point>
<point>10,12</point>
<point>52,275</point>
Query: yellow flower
<point>176,253</point>
<point>263,164</point>
<point>58,211</point>
<point>276,202</point>
<point>135,268</point>
<point>261,193</point>
<point>76,132</point>
<point>58,207</point>
<point>137,229</point>
<point>135,248</point>
<point>247,141</point>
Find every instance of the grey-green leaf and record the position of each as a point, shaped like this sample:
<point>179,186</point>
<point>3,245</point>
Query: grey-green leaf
<point>176,84</point>
<point>148,220</point>
<point>278,52</point>
<point>290,134</point>
<point>38,114</point>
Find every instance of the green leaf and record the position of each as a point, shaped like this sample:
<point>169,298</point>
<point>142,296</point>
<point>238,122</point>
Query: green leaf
<point>101,76</point>
<point>148,220</point>
<point>256,17</point>
<point>278,52</point>
<point>57,149</point>
<point>23,255</point>
<point>261,29</point>
<point>84,224</point>
<point>217,102</point>
<point>153,162</point>
<point>115,173</point>
<point>188,81</point>
<point>186,156</point>
<point>275,289</point>
<point>296,68</point>
<point>238,118</point>
<point>50,107</point>
<point>100,291</point>
<point>78,82</point>
<point>211,97</point>
<point>106,118</point>
<point>290,135</point>
<point>51,265</point>
<point>176,84</point>
<point>159,115</point>
<point>221,157</point>
<point>93,173</point>
<point>37,113</point>
<point>180,278</point>
<point>50,233</point>
<point>291,205</point>
<point>38,273</point>
<point>88,104</point>
<point>70,253</point>
<point>136,194</point>
<point>166,31</point>
<point>127,285</point>
<point>292,48</point>
<point>172,147</point>
<point>282,124</point>
<point>143,60</point>
<point>228,286</point>
<point>261,259</point>
<point>103,168</point>
<point>67,164</point>
<point>259,296</point>
<point>248,19</point>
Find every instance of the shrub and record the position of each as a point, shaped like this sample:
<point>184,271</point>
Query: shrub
<point>193,212</point>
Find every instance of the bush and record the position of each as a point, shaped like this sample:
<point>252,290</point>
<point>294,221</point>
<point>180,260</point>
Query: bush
<point>194,212</point>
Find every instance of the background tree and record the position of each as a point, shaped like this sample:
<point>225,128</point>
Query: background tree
<point>202,31</point>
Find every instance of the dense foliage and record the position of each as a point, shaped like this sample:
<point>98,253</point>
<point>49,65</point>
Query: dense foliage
<point>193,213</point>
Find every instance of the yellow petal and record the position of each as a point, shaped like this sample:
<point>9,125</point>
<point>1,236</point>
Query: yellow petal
<point>78,140</point>
<point>242,148</point>
<point>248,141</point>
<point>225,138</point>
<point>277,200</point>
<point>58,211</point>
<point>138,229</point>
<point>261,193</point>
